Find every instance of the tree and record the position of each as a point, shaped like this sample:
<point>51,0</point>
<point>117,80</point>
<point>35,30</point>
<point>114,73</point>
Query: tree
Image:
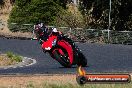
<point>33,11</point>
<point>62,3</point>
<point>122,14</point>
<point>96,13</point>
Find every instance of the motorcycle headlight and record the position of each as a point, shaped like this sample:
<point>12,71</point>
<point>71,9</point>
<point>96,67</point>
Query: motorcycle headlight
<point>54,42</point>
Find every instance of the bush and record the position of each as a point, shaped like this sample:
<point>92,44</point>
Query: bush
<point>33,11</point>
<point>14,57</point>
<point>71,17</point>
<point>9,54</point>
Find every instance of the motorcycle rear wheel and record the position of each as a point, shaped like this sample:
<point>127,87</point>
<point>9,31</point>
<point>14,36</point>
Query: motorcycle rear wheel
<point>82,61</point>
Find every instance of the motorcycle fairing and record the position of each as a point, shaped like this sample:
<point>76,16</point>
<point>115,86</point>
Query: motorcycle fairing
<point>68,48</point>
<point>47,45</point>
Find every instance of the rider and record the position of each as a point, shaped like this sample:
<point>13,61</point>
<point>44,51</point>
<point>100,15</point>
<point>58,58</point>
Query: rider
<point>42,32</point>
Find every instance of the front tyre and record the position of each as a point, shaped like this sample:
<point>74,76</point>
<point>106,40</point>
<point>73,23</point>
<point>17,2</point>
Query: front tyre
<point>63,59</point>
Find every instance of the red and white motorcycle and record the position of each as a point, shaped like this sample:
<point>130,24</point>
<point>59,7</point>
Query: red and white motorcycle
<point>64,50</point>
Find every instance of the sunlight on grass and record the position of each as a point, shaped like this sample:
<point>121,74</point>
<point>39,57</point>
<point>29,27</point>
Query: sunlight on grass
<point>47,85</point>
<point>14,57</point>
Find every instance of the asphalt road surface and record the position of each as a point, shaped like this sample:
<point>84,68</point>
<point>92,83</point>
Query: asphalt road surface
<point>101,58</point>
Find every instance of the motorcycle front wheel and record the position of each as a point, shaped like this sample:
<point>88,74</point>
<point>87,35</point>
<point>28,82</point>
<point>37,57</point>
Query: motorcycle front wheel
<point>63,59</point>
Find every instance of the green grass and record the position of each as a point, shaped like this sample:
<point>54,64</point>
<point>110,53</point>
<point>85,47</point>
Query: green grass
<point>14,57</point>
<point>47,85</point>
<point>30,85</point>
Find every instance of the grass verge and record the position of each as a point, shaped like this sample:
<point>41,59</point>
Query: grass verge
<point>9,59</point>
<point>30,85</point>
<point>53,81</point>
<point>14,57</point>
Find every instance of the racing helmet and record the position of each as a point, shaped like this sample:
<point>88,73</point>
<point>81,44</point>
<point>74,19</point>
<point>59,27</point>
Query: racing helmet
<point>39,29</point>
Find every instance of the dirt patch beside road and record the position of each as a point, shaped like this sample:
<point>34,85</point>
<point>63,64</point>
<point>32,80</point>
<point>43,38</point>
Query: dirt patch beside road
<point>5,61</point>
<point>23,81</point>
<point>50,81</point>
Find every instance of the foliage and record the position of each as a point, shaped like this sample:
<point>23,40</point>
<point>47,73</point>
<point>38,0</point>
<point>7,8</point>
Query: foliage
<point>96,14</point>
<point>34,11</point>
<point>70,20</point>
<point>61,3</point>
<point>52,12</point>
<point>14,57</point>
<point>9,54</point>
<point>27,11</point>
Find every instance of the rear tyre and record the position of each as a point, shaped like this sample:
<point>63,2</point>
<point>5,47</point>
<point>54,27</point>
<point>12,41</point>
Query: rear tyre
<point>62,59</point>
<point>82,61</point>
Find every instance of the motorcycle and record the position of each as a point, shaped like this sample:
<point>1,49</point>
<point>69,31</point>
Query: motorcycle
<point>64,50</point>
